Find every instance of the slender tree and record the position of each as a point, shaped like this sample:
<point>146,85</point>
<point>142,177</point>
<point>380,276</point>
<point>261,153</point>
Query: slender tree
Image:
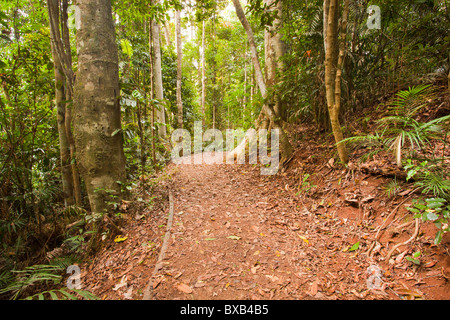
<point>97,123</point>
<point>62,56</point>
<point>60,98</point>
<point>179,65</point>
<point>157,77</point>
<point>203,72</point>
<point>334,60</point>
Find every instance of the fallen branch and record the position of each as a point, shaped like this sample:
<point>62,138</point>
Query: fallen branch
<point>416,232</point>
<point>158,265</point>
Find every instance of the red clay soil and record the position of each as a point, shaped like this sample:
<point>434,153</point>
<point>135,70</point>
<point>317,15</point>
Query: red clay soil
<point>239,235</point>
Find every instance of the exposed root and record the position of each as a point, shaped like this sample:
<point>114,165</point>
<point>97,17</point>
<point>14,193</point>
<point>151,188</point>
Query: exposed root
<point>416,232</point>
<point>158,265</point>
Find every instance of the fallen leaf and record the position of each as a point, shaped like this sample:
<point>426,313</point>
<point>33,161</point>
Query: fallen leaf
<point>128,295</point>
<point>304,239</point>
<point>184,288</point>
<point>411,293</point>
<point>210,239</point>
<point>233,237</point>
<point>120,239</point>
<point>122,283</point>
<point>273,278</point>
<point>314,288</point>
<point>354,247</point>
<point>430,264</point>
<point>254,269</point>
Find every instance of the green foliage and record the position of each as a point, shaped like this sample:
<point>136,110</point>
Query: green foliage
<point>431,178</point>
<point>414,258</point>
<point>64,294</point>
<point>30,276</point>
<point>305,185</point>
<point>392,188</point>
<point>436,210</point>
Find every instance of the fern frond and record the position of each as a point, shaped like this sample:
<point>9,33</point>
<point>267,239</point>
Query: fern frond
<point>31,276</point>
<point>63,294</point>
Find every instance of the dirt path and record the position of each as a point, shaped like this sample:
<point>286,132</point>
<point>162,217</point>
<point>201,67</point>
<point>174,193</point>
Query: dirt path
<point>239,235</point>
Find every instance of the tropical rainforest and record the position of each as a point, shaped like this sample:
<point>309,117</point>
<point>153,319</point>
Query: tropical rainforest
<point>95,96</point>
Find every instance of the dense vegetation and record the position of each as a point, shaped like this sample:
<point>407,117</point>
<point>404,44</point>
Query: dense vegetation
<point>403,67</point>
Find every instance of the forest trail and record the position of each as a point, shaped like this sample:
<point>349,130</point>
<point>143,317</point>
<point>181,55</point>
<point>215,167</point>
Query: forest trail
<point>237,234</point>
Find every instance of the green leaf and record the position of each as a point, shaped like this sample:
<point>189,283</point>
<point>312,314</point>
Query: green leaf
<point>127,48</point>
<point>233,237</point>
<point>416,261</point>
<point>432,216</point>
<point>438,237</point>
<point>210,239</point>
<point>115,132</point>
<point>354,247</point>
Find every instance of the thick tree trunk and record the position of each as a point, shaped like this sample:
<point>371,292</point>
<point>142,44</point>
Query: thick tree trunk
<point>179,65</point>
<point>267,109</point>
<point>274,51</point>
<point>97,124</point>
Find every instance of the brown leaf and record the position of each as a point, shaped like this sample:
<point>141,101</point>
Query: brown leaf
<point>184,288</point>
<point>314,288</point>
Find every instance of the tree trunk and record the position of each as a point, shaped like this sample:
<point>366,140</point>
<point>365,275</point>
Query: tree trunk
<point>334,59</point>
<point>60,98</point>
<point>274,51</point>
<point>167,34</point>
<point>203,72</point>
<point>69,105</point>
<point>152,85</point>
<point>267,109</point>
<point>179,65</point>
<point>157,74</point>
<point>96,114</point>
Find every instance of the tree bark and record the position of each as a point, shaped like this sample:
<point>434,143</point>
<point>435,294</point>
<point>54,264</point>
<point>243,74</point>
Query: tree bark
<point>334,59</point>
<point>267,109</point>
<point>157,74</point>
<point>167,34</point>
<point>274,51</point>
<point>96,114</point>
<point>179,66</point>
<point>152,85</point>
<point>53,7</point>
<point>203,72</point>
<point>69,105</point>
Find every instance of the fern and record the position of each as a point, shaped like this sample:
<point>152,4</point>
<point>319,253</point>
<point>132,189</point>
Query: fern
<point>392,188</point>
<point>63,294</point>
<point>408,102</point>
<point>436,184</point>
<point>32,275</point>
